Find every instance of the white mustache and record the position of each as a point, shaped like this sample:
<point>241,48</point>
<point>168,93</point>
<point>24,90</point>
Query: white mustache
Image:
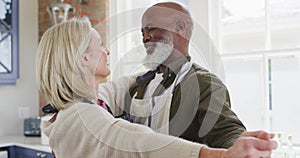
<point>161,52</point>
<point>149,44</point>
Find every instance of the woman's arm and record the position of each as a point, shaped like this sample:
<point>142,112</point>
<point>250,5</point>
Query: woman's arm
<point>113,93</point>
<point>120,135</point>
<point>126,139</point>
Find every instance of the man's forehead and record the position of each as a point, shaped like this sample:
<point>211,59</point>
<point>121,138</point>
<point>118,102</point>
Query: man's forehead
<point>158,16</point>
<point>160,11</point>
<point>155,22</point>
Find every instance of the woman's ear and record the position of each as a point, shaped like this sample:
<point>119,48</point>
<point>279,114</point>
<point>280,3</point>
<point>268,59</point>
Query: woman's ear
<point>85,59</point>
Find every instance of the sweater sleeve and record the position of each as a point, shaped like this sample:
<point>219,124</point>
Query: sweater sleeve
<point>123,139</point>
<point>113,93</point>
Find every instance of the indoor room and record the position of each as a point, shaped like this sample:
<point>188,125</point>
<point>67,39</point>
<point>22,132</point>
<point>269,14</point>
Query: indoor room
<point>250,50</point>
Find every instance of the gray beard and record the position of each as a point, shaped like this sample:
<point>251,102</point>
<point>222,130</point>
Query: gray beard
<point>160,54</point>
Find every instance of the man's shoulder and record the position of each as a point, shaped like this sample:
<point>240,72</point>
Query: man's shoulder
<point>201,71</point>
<point>203,75</point>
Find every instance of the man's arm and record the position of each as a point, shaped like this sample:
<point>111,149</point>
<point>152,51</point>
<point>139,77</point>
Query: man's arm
<point>215,111</point>
<point>201,111</point>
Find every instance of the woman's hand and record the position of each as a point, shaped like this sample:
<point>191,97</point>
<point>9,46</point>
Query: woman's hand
<point>249,145</point>
<point>252,145</point>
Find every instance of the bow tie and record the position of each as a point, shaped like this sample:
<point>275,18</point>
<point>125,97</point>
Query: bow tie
<point>168,78</point>
<point>147,76</point>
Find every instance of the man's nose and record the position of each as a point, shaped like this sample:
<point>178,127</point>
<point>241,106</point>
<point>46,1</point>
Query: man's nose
<point>146,37</point>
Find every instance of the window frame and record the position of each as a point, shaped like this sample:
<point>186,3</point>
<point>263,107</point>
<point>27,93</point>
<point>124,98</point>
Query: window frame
<point>11,77</point>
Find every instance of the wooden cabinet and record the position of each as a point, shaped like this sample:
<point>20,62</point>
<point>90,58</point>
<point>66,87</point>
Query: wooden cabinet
<point>21,152</point>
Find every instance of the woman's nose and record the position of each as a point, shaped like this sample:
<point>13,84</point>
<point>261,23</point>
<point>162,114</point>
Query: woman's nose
<point>107,52</point>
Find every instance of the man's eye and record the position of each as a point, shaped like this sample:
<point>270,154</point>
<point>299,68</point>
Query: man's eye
<point>148,30</point>
<point>151,29</point>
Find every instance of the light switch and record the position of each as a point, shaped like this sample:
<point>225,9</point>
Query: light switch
<point>23,112</point>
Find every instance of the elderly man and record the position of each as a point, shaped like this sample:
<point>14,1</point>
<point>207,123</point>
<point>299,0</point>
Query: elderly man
<point>177,97</point>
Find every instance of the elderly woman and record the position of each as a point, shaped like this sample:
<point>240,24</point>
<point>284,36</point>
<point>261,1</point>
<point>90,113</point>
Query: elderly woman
<point>71,62</point>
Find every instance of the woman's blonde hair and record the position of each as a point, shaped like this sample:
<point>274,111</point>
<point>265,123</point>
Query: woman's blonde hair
<point>60,75</point>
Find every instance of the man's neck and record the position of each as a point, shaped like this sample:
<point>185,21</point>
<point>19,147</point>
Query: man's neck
<point>161,68</point>
<point>173,63</point>
<point>173,57</point>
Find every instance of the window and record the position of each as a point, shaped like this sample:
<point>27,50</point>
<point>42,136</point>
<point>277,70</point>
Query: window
<point>285,93</point>
<point>260,48</point>
<point>8,41</point>
<point>126,37</point>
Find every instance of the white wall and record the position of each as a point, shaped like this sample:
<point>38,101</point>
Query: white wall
<point>24,93</point>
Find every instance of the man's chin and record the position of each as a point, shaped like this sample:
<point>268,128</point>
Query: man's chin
<point>151,65</point>
<point>158,55</point>
<point>149,51</point>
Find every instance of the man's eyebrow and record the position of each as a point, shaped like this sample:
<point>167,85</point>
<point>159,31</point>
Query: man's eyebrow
<point>150,25</point>
<point>145,27</point>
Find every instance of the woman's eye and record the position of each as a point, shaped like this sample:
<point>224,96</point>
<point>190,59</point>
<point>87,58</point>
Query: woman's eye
<point>102,48</point>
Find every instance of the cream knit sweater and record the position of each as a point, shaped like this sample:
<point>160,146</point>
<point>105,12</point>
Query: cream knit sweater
<point>88,131</point>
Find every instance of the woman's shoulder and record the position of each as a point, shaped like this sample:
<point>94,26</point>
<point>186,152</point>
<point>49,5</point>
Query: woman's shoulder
<point>91,110</point>
<point>85,113</point>
<point>92,114</point>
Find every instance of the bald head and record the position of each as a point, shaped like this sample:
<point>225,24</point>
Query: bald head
<point>163,15</point>
<point>174,6</point>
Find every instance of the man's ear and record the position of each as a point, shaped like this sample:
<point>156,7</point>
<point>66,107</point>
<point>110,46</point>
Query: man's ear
<point>181,26</point>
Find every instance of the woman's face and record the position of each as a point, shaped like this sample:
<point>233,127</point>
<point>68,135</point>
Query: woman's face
<point>96,55</point>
